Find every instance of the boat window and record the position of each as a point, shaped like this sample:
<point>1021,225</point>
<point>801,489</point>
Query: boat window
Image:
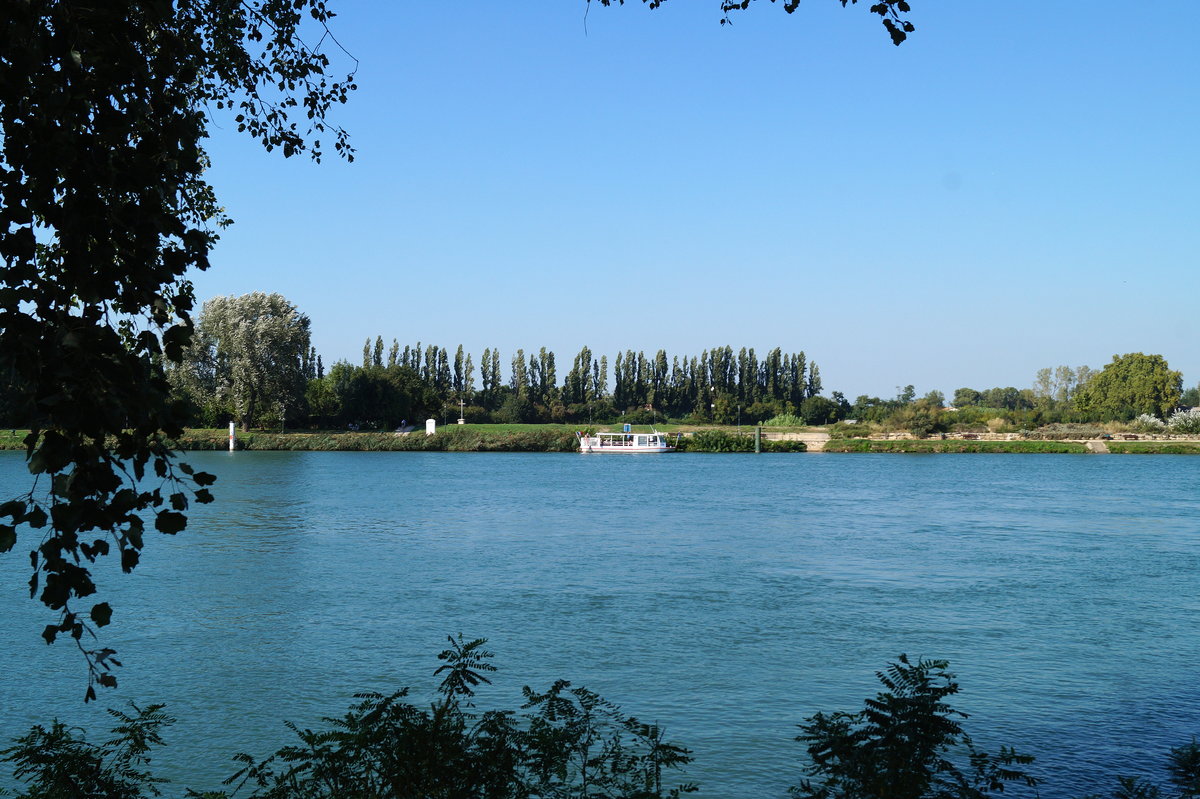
<point>641,441</point>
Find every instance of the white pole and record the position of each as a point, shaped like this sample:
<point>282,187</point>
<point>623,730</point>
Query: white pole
<point>231,438</point>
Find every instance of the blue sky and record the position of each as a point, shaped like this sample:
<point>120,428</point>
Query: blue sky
<point>1002,192</point>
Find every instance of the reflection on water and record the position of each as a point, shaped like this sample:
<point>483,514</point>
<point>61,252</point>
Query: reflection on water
<point>727,597</point>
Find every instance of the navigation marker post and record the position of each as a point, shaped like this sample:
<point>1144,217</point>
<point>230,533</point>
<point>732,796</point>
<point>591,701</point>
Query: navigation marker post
<point>231,436</point>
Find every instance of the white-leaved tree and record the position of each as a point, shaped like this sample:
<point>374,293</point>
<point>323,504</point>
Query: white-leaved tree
<point>248,356</point>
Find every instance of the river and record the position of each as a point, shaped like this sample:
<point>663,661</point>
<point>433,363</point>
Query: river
<point>725,596</point>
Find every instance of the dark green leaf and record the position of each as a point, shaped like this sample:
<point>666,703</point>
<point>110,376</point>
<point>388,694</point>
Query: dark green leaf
<point>170,522</point>
<point>101,614</point>
<point>35,518</point>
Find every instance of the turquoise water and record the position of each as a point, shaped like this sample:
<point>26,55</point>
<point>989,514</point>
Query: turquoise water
<point>727,597</point>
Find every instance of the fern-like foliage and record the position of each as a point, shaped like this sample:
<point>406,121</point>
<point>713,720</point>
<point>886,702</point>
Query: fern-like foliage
<point>906,743</point>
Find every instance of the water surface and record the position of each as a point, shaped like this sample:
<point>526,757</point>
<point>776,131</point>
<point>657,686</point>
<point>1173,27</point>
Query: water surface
<point>727,597</point>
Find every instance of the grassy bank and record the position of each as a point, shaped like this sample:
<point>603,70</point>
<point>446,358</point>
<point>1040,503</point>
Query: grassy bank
<point>1154,447</point>
<point>561,438</point>
<point>952,445</point>
<point>451,438</point>
<point>460,438</point>
<point>457,438</point>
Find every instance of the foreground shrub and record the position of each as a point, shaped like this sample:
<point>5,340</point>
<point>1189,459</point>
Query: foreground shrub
<point>568,742</point>
<point>59,762</point>
<point>565,743</point>
<point>902,744</point>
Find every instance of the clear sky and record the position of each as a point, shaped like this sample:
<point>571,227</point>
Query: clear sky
<point>1003,192</point>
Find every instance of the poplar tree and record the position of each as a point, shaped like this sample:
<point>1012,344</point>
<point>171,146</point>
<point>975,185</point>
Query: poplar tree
<point>600,378</point>
<point>487,382</point>
<point>469,377</point>
<point>459,379</point>
<point>519,379</point>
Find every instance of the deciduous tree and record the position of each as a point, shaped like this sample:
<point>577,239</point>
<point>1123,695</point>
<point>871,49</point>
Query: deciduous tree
<point>254,347</point>
<point>1133,383</point>
<point>104,107</point>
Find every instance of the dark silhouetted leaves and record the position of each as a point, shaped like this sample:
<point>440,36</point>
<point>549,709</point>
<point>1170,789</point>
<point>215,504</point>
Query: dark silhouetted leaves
<point>890,10</point>
<point>170,522</point>
<point>103,212</point>
<point>101,614</point>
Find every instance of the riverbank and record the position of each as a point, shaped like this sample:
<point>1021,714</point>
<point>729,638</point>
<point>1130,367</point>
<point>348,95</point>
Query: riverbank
<point>933,445</point>
<point>462,438</point>
<point>927,445</point>
<point>561,438</point>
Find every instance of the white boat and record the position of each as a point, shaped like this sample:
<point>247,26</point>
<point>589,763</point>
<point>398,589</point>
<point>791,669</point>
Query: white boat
<point>626,442</point>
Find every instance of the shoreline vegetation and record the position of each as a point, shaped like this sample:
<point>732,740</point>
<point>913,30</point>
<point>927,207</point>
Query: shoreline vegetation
<point>549,748</point>
<point>561,438</point>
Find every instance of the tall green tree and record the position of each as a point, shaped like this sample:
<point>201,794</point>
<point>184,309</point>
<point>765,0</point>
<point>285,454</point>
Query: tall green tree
<point>1131,384</point>
<point>813,386</point>
<point>468,379</point>
<point>256,344</point>
<point>964,397</point>
<point>519,377</point>
<point>578,382</point>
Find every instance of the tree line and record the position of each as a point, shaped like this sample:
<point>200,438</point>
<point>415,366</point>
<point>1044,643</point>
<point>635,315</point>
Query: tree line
<point>252,361</point>
<point>1134,387</point>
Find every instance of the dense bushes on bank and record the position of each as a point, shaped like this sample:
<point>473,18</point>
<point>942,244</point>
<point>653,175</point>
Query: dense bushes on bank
<point>721,441</point>
<point>952,445</point>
